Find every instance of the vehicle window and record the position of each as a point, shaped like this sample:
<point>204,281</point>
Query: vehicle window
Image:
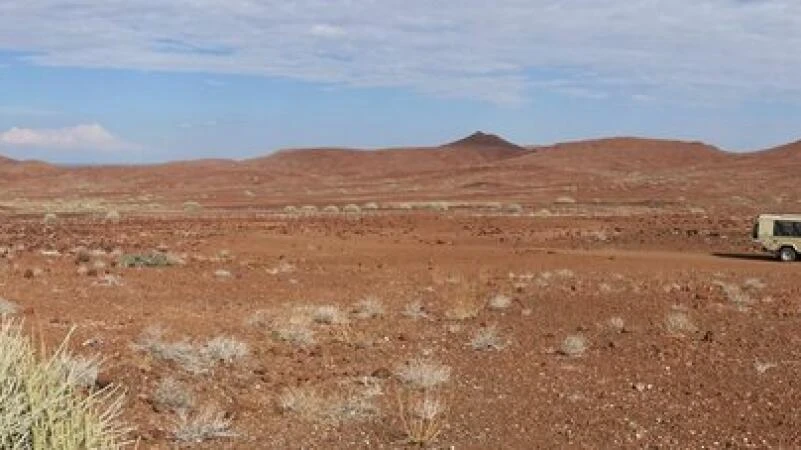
<point>786,228</point>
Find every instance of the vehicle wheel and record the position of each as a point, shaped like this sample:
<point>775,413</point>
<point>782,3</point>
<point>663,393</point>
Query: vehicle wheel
<point>787,254</point>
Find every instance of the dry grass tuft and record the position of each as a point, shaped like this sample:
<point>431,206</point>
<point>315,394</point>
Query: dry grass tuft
<point>617,324</point>
<point>422,417</point>
<point>173,395</point>
<point>369,308</point>
<point>754,284</point>
<point>499,302</point>
<point>225,349</point>
<point>573,346</point>
<point>297,334</point>
<point>463,310</point>
<point>205,425</point>
<point>302,401</point>
<point>356,403</point>
<point>415,310</point>
<point>182,353</point>
<point>329,315</point>
<point>423,374</point>
<point>7,307</point>
<point>678,323</point>
<point>420,406</point>
<point>734,294</point>
<point>487,338</point>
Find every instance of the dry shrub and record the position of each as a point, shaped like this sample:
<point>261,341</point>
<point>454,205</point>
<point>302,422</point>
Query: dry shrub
<point>487,338</point>
<point>7,307</point>
<point>368,308</point>
<point>415,310</point>
<point>617,324</point>
<point>678,323</point>
<point>352,404</point>
<point>209,423</point>
<point>420,400</point>
<point>574,346</point>
<point>173,395</point>
<point>329,315</point>
<point>499,302</point>
<point>423,374</point>
<point>225,349</point>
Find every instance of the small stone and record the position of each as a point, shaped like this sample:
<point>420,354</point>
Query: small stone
<point>382,372</point>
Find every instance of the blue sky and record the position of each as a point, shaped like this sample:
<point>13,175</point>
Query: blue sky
<point>147,80</point>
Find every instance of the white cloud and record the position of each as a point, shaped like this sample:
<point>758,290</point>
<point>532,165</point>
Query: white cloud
<point>80,137</point>
<point>328,31</point>
<point>504,51</point>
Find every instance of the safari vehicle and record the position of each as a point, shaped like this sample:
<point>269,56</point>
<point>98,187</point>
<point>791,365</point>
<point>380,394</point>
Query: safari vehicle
<point>779,234</point>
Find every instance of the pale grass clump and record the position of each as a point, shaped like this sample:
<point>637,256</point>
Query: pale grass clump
<point>289,209</point>
<point>191,206</point>
<point>113,216</point>
<point>183,353</point>
<point>369,308</point>
<point>499,302</point>
<point>574,346</point>
<point>302,401</point>
<point>293,327</point>
<point>350,405</point>
<point>421,408</point>
<point>463,310</point>
<point>173,395</point>
<point>308,209</point>
<point>565,273</point>
<point>50,219</point>
<point>207,424</point>
<point>7,307</point>
<point>331,209</point>
<point>352,209</point>
<point>226,349</point>
<point>370,206</point>
<point>487,338</point>
<point>297,334</point>
<point>754,284</point>
<point>423,374</point>
<point>422,417</point>
<point>617,324</point>
<point>734,294</point>
<point>356,401</point>
<point>329,315</point>
<point>42,409</point>
<point>678,323</point>
<point>415,310</point>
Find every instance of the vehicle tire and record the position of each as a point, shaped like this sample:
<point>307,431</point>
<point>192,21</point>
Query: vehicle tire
<point>787,254</point>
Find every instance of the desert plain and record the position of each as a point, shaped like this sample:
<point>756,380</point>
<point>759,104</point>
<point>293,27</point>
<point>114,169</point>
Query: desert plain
<point>475,295</point>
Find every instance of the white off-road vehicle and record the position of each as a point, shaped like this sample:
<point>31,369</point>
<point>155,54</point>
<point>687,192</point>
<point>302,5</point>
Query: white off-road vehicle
<point>779,234</point>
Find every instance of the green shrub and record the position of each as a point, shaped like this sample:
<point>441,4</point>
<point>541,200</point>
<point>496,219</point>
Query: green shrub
<point>154,259</point>
<point>40,408</point>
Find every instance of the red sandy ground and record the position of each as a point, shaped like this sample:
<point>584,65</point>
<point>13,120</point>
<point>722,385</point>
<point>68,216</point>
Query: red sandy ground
<point>630,247</point>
